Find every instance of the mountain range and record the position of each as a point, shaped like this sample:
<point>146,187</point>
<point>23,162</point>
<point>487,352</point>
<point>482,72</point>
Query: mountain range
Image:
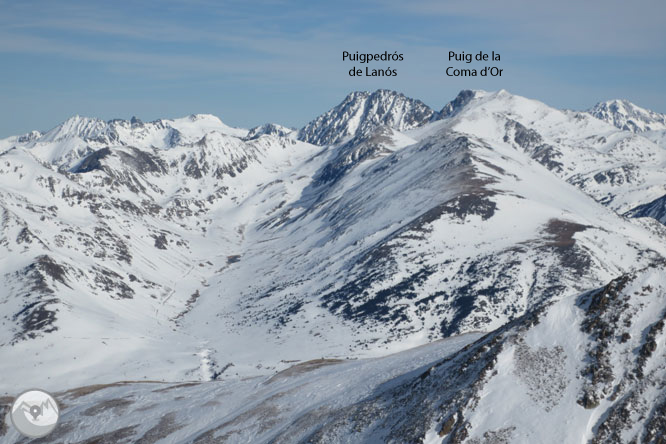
<point>489,272</point>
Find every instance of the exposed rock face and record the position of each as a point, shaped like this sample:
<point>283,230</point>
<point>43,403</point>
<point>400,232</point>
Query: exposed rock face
<point>457,104</point>
<point>655,209</point>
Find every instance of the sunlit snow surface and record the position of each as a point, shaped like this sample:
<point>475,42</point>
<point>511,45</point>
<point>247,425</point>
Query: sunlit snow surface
<point>243,409</point>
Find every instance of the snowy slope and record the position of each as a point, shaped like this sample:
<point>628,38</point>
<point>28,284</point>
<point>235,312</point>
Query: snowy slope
<point>586,368</point>
<point>108,258</point>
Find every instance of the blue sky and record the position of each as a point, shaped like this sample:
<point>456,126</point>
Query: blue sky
<point>251,62</point>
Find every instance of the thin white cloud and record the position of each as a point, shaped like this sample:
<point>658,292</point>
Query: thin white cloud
<point>600,27</point>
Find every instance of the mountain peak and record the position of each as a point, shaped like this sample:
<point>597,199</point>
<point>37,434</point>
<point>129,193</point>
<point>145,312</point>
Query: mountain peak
<point>463,98</point>
<point>628,116</point>
<point>206,117</point>
<point>77,126</point>
<point>361,111</point>
<point>268,129</point>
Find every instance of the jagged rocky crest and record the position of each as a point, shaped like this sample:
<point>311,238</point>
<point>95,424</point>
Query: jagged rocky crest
<point>627,116</point>
<point>362,111</point>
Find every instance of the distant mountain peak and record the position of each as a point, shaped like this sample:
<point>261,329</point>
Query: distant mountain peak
<point>268,129</point>
<point>362,111</point>
<point>628,116</point>
<point>77,126</point>
<point>209,117</point>
<point>463,98</point>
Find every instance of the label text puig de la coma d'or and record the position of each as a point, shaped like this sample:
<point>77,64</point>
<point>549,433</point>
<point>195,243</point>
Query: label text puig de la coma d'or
<point>492,71</point>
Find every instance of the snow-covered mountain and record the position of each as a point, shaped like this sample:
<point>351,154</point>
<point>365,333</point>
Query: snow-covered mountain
<point>78,136</point>
<point>186,251</point>
<point>362,111</point>
<point>627,116</point>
